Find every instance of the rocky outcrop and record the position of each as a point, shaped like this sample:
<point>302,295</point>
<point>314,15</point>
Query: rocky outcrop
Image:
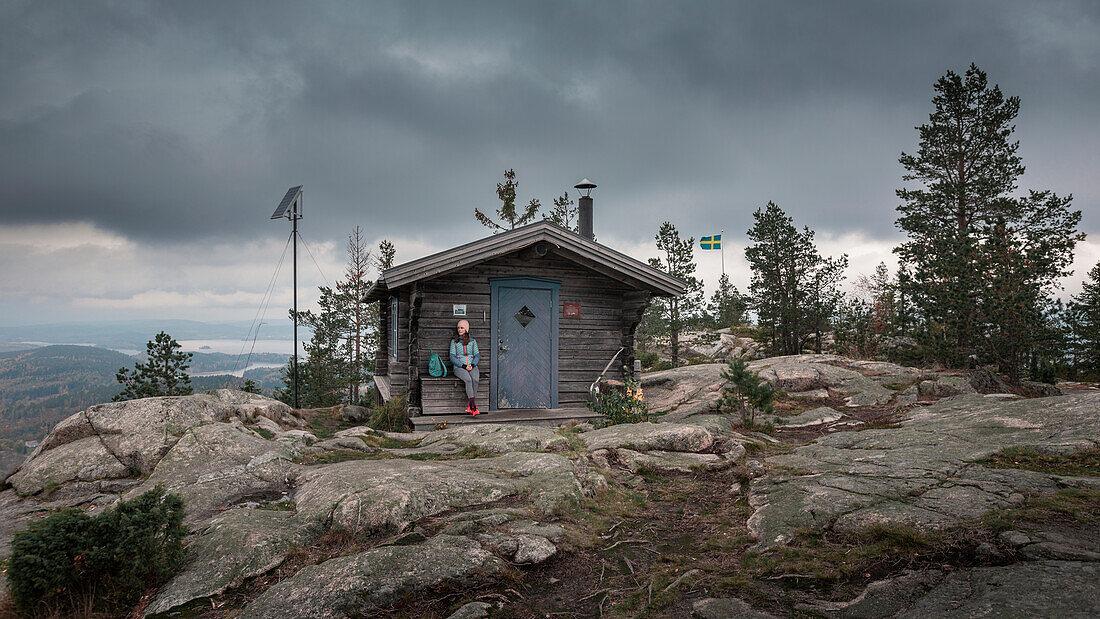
<point>921,474</point>
<point>230,549</point>
<point>358,584</point>
<point>494,438</point>
<point>720,345</point>
<point>236,460</point>
<point>454,507</point>
<point>129,439</point>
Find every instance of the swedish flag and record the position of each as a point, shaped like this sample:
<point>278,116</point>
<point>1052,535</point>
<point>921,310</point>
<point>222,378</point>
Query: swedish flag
<point>711,242</point>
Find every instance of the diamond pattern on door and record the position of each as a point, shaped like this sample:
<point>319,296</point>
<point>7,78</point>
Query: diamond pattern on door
<point>525,316</point>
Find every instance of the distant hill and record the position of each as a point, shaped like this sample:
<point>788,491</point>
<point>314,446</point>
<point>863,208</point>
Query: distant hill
<point>41,386</point>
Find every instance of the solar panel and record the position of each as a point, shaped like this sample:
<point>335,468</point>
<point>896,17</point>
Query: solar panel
<point>288,199</point>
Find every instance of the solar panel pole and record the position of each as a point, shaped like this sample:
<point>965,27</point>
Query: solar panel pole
<point>294,232</point>
<point>291,208</point>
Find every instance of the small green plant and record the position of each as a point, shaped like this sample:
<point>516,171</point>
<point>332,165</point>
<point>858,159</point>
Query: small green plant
<point>390,416</point>
<point>747,394</point>
<point>619,405</point>
<point>267,434</point>
<point>649,358</point>
<point>71,561</point>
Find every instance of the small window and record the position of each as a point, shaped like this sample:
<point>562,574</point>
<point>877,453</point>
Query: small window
<point>393,328</point>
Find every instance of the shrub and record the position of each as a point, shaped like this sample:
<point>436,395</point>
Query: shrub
<point>649,358</point>
<point>747,394</point>
<point>390,416</point>
<point>619,405</point>
<point>70,560</point>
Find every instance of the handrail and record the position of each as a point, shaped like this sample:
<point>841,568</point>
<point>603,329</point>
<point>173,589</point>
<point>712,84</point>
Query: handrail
<point>592,387</point>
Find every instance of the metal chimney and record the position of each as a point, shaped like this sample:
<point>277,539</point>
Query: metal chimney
<point>584,208</point>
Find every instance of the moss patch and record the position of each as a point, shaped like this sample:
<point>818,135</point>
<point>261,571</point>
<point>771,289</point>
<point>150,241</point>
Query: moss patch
<point>1075,505</point>
<point>1081,463</point>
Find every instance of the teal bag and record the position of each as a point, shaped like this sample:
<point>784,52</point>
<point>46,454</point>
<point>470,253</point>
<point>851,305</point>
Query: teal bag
<point>435,365</point>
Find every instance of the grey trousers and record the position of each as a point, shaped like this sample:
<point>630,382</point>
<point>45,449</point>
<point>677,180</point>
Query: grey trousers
<point>470,378</point>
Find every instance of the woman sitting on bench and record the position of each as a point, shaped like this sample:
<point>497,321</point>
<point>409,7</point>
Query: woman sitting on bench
<point>464,358</point>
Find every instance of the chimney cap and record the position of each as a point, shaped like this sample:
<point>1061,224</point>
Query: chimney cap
<point>585,184</point>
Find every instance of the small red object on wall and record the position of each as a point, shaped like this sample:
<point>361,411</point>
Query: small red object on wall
<point>572,310</point>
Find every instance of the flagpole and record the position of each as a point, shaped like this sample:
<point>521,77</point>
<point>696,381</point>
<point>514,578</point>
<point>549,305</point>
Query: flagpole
<point>722,247</point>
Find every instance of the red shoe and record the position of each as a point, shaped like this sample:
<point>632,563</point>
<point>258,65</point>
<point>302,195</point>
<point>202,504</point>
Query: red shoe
<point>471,410</point>
<point>475,409</point>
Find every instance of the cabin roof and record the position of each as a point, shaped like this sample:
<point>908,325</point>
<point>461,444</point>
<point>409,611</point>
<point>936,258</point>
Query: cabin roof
<point>567,243</point>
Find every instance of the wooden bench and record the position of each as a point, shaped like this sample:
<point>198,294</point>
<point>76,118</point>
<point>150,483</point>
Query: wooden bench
<point>447,395</point>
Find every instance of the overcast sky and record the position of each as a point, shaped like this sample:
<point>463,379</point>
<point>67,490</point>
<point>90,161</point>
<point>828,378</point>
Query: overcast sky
<point>144,145</point>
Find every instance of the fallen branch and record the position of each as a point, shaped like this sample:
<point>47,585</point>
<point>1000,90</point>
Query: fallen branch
<point>629,565</point>
<point>625,541</point>
<point>782,576</point>
<point>613,527</point>
<point>594,594</point>
<point>680,580</point>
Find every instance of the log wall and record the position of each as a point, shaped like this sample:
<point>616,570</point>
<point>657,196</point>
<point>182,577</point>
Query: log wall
<point>585,344</point>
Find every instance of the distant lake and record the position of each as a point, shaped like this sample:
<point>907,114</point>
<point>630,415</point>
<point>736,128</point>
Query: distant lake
<point>234,347</point>
<point>239,373</point>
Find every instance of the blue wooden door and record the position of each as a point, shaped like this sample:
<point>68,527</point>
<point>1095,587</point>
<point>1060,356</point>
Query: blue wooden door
<point>525,362</point>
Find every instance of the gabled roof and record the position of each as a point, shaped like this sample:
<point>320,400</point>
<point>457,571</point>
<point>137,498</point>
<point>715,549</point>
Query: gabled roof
<point>569,244</point>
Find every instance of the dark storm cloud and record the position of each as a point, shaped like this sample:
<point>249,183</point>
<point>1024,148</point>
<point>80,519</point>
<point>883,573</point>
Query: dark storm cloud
<point>178,121</point>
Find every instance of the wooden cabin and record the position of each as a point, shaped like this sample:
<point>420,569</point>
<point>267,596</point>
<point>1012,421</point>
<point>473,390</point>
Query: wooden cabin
<point>549,308</point>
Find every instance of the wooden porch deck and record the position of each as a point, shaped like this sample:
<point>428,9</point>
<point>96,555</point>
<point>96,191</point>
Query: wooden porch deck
<point>526,416</point>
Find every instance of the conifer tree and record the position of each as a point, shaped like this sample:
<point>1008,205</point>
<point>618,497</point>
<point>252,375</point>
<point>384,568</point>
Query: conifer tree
<point>1084,324</point>
<point>564,213</point>
<point>727,306</point>
<point>670,315</point>
<point>964,223</point>
<point>794,290</point>
<point>323,374</point>
<point>351,290</point>
<point>164,372</point>
<point>509,218</point>
<point>341,351</point>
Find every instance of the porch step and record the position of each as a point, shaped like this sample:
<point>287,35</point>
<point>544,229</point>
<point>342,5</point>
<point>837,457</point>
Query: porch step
<point>526,416</point>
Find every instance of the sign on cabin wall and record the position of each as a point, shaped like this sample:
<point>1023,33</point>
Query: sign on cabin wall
<point>460,310</point>
<point>572,310</point>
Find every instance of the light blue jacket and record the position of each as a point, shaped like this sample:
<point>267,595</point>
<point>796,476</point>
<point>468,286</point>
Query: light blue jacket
<point>463,355</point>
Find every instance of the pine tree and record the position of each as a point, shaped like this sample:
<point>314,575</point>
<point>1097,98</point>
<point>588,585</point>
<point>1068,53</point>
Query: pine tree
<point>794,290</point>
<point>352,289</point>
<point>670,315</point>
<point>509,218</point>
<point>323,376</point>
<point>727,306</point>
<point>1084,325</point>
<point>164,372</point>
<point>746,394</point>
<point>963,222</point>
<point>564,213</point>
<point>250,386</point>
<point>385,256</point>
